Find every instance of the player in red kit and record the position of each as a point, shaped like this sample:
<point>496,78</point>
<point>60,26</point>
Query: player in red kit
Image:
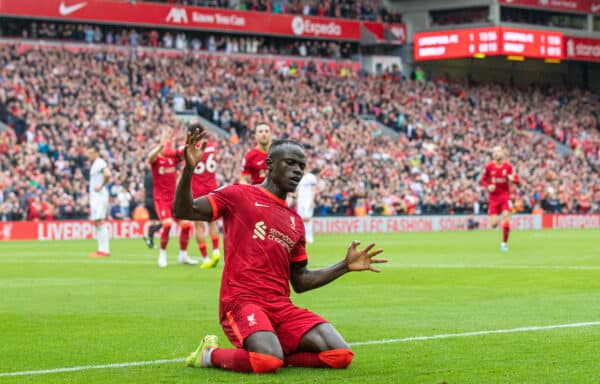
<point>163,160</point>
<point>264,253</point>
<point>496,178</point>
<point>254,167</point>
<point>204,181</point>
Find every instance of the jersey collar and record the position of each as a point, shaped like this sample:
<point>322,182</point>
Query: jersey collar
<point>272,196</point>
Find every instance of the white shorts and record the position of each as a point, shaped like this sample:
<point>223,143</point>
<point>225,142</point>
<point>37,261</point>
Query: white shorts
<point>305,211</point>
<point>98,209</point>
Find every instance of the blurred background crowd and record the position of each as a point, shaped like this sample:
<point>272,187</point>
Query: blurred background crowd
<point>54,102</point>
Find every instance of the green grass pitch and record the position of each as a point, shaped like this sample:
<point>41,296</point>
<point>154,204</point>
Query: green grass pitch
<point>59,309</point>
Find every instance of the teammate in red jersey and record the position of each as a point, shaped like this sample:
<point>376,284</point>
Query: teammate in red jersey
<point>254,167</point>
<point>264,253</point>
<point>163,160</point>
<point>496,178</point>
<point>204,181</point>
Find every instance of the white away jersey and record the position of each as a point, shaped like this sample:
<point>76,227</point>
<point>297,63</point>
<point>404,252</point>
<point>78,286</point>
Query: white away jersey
<point>306,188</point>
<point>96,179</point>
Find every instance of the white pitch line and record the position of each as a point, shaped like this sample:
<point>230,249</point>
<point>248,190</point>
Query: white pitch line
<point>478,333</point>
<point>499,266</point>
<point>358,343</point>
<point>86,367</point>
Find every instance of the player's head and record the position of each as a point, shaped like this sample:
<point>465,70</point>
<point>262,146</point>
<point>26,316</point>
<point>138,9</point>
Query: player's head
<point>498,153</point>
<point>285,164</point>
<point>262,133</point>
<point>93,151</point>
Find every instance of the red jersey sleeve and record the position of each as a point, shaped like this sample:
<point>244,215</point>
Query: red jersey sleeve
<point>246,171</point>
<point>485,180</point>
<point>511,171</point>
<point>299,252</point>
<point>223,200</point>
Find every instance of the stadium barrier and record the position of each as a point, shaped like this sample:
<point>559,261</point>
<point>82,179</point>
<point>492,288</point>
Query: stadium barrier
<point>125,229</point>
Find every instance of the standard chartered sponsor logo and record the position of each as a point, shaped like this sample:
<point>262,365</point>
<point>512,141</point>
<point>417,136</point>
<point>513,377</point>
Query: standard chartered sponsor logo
<point>281,238</point>
<point>260,230</point>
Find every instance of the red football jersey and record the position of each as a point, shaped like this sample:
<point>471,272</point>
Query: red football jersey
<point>498,175</point>
<point>262,237</point>
<point>255,165</point>
<point>164,176</point>
<point>204,179</point>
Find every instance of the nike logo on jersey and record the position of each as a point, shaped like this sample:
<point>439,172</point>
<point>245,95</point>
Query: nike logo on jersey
<point>260,205</point>
<point>259,162</point>
<point>67,10</point>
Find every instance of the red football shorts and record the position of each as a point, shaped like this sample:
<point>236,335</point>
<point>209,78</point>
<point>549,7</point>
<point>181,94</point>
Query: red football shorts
<point>497,206</point>
<point>164,209</point>
<point>287,321</point>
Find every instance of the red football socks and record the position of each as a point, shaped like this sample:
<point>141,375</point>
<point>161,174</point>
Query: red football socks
<point>202,248</point>
<point>262,363</point>
<point>303,360</point>
<point>215,242</point>
<point>231,359</point>
<point>184,238</point>
<point>335,358</point>
<point>240,360</point>
<point>505,232</point>
<point>164,237</point>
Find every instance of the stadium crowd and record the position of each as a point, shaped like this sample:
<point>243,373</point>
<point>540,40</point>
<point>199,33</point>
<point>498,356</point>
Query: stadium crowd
<point>171,39</point>
<point>56,102</point>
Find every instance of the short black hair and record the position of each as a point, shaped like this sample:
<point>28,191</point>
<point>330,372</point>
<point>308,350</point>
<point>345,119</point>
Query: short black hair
<point>281,142</point>
<point>95,145</point>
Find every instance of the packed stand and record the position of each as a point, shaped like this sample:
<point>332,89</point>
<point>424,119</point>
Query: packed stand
<point>56,102</point>
<point>194,41</point>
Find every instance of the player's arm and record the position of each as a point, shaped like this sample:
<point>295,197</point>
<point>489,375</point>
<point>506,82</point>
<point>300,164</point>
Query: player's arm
<point>184,206</point>
<point>514,177</point>
<point>304,279</point>
<point>154,152</point>
<point>315,190</point>
<point>245,176</point>
<point>486,182</point>
<point>106,175</point>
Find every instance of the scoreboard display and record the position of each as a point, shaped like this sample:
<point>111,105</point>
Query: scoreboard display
<point>489,41</point>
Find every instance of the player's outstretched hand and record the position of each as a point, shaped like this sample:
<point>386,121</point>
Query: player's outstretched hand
<point>195,143</point>
<point>362,259</point>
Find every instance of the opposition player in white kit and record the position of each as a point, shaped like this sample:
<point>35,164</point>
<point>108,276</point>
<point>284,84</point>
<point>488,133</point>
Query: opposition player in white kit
<point>99,177</point>
<point>305,202</point>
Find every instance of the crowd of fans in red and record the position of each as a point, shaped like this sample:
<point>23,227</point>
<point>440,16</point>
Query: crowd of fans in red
<point>55,102</point>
